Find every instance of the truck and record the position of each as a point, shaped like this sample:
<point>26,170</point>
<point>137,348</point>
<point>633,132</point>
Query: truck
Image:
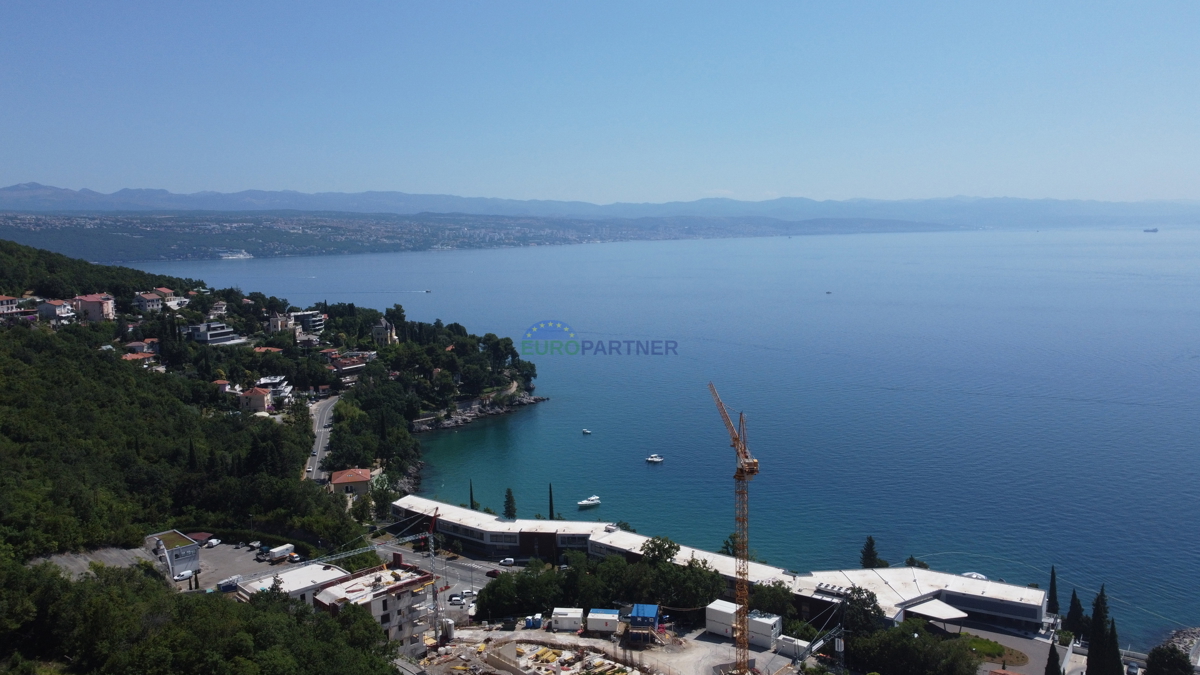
<point>280,553</point>
<point>277,554</point>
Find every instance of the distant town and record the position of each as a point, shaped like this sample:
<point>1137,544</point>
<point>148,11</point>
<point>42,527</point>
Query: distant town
<point>106,237</point>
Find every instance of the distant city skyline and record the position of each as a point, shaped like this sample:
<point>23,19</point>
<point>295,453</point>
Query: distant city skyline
<point>620,102</point>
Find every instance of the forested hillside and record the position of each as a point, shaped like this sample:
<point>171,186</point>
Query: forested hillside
<point>98,451</point>
<point>23,268</point>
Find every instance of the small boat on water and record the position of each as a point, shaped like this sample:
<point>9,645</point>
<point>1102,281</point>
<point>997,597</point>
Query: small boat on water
<point>1153,229</point>
<point>655,458</point>
<point>586,432</point>
<point>594,500</point>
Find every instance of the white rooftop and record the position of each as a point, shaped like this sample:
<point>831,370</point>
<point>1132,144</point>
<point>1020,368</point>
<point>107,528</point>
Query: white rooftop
<point>726,565</point>
<point>492,523</point>
<point>898,586</point>
<point>366,587</point>
<point>297,578</point>
<point>936,609</point>
<point>723,606</point>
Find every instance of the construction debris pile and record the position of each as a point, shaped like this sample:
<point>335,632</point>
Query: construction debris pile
<point>508,658</point>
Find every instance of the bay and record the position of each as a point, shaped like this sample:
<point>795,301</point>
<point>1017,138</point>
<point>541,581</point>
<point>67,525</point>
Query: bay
<point>989,401</point>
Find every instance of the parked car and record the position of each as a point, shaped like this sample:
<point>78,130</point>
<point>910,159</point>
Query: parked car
<point>314,453</point>
<point>456,600</point>
<point>468,593</point>
<point>493,573</point>
<point>185,575</point>
<point>254,545</point>
<point>508,562</point>
<point>240,544</point>
<point>212,543</point>
<point>308,469</point>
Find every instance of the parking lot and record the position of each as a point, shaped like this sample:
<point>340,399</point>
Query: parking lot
<point>224,561</point>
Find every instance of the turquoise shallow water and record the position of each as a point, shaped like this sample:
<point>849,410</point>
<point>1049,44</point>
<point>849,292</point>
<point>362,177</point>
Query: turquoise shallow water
<point>988,401</point>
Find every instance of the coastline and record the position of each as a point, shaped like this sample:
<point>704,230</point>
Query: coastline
<point>475,409</point>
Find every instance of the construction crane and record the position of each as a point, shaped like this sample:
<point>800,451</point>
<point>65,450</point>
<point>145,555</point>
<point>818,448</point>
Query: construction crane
<point>747,468</point>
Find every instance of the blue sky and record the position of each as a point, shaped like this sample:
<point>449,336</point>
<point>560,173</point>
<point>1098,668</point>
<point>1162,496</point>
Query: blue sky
<point>607,101</point>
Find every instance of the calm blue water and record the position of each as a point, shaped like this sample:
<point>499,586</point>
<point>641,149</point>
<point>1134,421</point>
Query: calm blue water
<point>988,401</point>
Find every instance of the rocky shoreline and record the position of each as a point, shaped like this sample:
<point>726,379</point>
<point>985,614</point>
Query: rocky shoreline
<point>479,409</point>
<point>1185,639</point>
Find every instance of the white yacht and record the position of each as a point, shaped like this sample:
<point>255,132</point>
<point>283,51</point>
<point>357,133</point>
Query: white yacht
<point>594,500</point>
<point>586,432</point>
<point>655,458</point>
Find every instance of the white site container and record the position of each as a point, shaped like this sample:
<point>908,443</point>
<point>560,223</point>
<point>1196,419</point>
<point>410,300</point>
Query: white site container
<point>566,618</point>
<point>765,629</point>
<point>718,628</point>
<point>790,647</point>
<point>720,611</point>
<point>603,620</point>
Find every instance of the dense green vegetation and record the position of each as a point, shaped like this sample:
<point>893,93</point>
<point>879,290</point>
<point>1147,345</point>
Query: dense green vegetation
<point>586,582</point>
<point>99,451</point>
<point>53,275</point>
<point>1168,660</point>
<point>131,621</point>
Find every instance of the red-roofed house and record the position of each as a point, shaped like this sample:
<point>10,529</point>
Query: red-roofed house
<point>8,305</point>
<point>165,293</point>
<point>267,350</point>
<point>140,356</point>
<point>96,307</point>
<point>351,481</point>
<point>256,399</point>
<point>56,310</point>
<point>148,302</point>
<point>222,386</point>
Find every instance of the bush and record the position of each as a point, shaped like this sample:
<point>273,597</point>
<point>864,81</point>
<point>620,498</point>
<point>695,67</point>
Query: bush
<point>1065,637</point>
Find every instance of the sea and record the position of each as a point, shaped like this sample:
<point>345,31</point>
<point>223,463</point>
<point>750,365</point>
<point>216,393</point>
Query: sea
<point>987,401</point>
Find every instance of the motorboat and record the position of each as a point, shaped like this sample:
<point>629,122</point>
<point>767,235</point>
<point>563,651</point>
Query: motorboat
<point>594,500</point>
<point>655,458</point>
<point>586,432</point>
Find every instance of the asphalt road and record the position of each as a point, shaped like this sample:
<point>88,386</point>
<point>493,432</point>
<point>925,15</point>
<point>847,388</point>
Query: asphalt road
<point>460,575</point>
<point>322,414</point>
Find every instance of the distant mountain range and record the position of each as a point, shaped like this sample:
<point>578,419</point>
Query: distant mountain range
<point>960,211</point>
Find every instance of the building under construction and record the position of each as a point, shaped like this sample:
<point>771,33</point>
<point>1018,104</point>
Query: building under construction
<point>899,589</point>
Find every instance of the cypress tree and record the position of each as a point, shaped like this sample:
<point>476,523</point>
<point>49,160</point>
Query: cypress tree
<point>1074,620</point>
<point>474,504</point>
<point>867,557</point>
<point>1112,649</point>
<point>1097,661</point>
<point>1053,667</point>
<point>510,504</point>
<point>1052,593</point>
<point>551,500</point>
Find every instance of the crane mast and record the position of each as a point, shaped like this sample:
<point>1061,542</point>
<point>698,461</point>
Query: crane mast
<point>747,468</point>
